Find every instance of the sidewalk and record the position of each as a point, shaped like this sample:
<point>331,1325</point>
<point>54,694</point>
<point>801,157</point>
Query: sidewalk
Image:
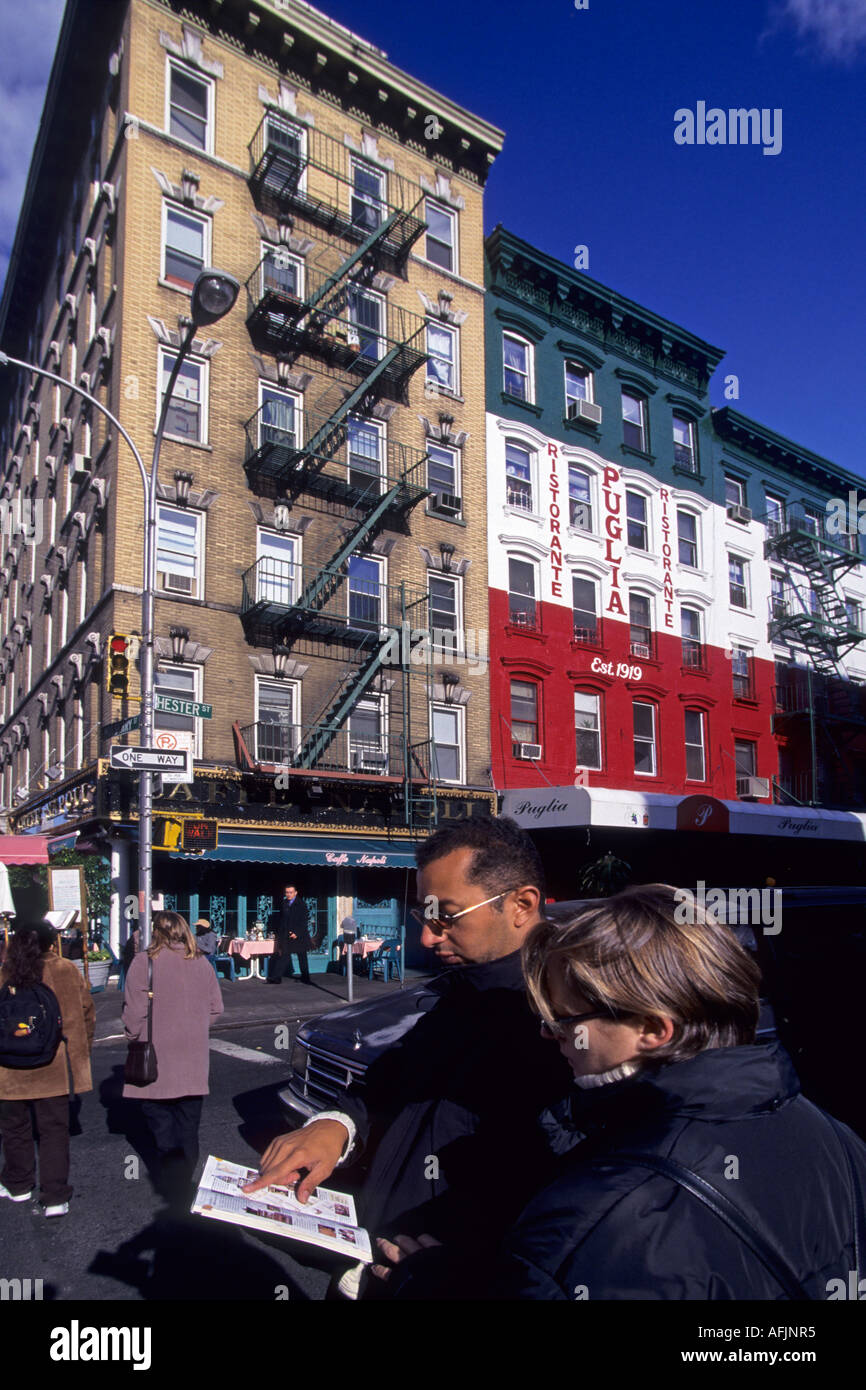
<point>253,1001</point>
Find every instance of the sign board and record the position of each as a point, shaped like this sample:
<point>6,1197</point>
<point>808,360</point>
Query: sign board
<point>66,889</point>
<point>200,834</point>
<point>145,759</point>
<point>122,726</point>
<point>177,740</point>
<point>171,704</point>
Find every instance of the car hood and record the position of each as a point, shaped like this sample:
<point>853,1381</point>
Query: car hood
<point>380,1022</point>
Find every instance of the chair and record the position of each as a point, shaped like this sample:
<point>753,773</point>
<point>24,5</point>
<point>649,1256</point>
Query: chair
<point>222,957</point>
<point>388,957</point>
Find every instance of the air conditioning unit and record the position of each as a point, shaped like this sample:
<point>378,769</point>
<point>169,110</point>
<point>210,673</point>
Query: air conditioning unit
<point>641,649</point>
<point>368,760</point>
<point>753,788</point>
<point>584,410</point>
<point>445,502</point>
<point>531,752</point>
<point>741,514</point>
<point>178,583</point>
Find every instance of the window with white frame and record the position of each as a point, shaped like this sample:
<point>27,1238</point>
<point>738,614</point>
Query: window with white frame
<point>738,581</point>
<point>445,611</point>
<point>584,609</point>
<point>741,672</point>
<point>366,591</point>
<point>812,521</point>
<point>640,624</point>
<point>518,476</point>
<point>443,470</point>
<point>365,449</point>
<point>180,683</point>
<point>187,414</point>
<point>693,647</point>
<point>441,240</point>
<point>190,105</point>
<point>644,721</point>
<point>579,498</point>
<point>442,355</point>
<point>636,520</point>
<point>279,417</point>
<point>276,720</point>
<point>735,491</point>
<point>447,731</point>
<point>366,318</point>
<point>685,456</point>
<point>745,765</point>
<point>775,515</point>
<point>288,140</point>
<point>185,245</point>
<point>368,738</point>
<point>517,367</point>
<point>524,714</point>
<point>778,595</point>
<point>522,608</point>
<point>578,384</point>
<point>368,196</point>
<point>179,550</point>
<point>634,421</point>
<point>282,273</point>
<point>696,759</point>
<point>854,614</point>
<point>276,567</point>
<point>587,729</point>
<point>687,538</point>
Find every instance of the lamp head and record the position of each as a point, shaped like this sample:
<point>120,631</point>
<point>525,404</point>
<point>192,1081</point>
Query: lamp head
<point>213,295</point>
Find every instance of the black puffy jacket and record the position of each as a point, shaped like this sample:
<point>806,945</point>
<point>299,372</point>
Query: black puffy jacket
<point>603,1229</point>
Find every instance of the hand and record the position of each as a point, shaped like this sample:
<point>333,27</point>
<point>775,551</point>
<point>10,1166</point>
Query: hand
<point>292,936</point>
<point>397,1249</point>
<point>316,1147</point>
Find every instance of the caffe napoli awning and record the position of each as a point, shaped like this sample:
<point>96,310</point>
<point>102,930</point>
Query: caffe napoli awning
<point>23,849</point>
<point>248,847</point>
<point>562,807</point>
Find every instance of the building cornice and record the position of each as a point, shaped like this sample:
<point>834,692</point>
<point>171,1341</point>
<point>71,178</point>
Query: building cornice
<point>765,446</point>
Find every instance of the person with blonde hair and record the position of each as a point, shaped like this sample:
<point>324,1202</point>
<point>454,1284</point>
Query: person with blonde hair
<point>186,999</point>
<point>691,1166</point>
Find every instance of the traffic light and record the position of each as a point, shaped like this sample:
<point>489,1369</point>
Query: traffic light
<point>167,832</point>
<point>117,677</point>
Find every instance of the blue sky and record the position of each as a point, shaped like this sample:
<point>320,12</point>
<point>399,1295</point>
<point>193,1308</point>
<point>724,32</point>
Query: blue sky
<point>760,254</point>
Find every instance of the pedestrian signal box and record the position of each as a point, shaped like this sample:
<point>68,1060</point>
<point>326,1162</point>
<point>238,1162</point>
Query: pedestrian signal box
<point>117,677</point>
<point>199,834</point>
<point>167,832</point>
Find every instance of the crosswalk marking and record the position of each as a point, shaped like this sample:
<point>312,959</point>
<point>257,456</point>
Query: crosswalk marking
<point>246,1054</point>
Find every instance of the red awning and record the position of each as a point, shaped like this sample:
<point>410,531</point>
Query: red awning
<point>23,849</point>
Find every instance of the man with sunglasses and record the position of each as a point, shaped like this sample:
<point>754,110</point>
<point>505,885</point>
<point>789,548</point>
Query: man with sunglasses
<point>446,1118</point>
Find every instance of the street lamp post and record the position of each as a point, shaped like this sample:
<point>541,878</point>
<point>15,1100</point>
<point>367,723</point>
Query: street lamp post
<point>213,295</point>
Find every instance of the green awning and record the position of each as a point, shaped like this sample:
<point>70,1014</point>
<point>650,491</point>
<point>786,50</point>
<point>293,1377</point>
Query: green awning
<point>247,847</point>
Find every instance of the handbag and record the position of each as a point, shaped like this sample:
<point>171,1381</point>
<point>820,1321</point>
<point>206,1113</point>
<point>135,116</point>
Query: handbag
<point>140,1068</point>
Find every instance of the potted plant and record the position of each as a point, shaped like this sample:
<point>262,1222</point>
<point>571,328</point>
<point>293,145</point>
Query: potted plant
<point>98,966</point>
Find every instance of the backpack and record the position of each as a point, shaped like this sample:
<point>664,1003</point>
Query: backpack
<point>30,1026</point>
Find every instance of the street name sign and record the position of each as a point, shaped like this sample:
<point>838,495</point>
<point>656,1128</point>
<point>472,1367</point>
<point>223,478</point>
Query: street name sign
<point>122,726</point>
<point>171,704</point>
<point>143,759</point>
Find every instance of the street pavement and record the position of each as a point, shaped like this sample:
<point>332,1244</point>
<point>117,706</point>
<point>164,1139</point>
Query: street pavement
<point>120,1240</point>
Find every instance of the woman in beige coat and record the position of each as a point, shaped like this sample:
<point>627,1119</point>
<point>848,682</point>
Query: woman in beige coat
<point>31,960</point>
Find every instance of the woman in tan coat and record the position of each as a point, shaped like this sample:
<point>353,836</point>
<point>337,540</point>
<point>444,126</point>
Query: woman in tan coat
<point>31,960</point>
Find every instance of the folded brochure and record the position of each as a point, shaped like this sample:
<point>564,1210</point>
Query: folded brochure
<point>328,1219</point>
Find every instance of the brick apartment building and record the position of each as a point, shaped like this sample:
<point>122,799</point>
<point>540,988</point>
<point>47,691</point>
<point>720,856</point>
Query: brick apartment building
<point>322,494</point>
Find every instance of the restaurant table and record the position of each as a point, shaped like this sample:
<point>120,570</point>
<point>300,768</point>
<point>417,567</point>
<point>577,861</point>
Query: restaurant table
<point>364,946</point>
<point>251,951</point>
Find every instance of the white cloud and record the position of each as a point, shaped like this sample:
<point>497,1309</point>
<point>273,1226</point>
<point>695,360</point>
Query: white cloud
<point>26,52</point>
<point>836,27</point>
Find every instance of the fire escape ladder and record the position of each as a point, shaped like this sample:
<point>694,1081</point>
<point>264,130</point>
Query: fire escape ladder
<point>347,695</point>
<point>330,298</point>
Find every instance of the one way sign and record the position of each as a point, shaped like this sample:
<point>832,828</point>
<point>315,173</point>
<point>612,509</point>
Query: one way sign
<point>142,759</point>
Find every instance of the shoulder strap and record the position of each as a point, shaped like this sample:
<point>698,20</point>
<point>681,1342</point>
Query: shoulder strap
<point>726,1211</point>
<point>149,998</point>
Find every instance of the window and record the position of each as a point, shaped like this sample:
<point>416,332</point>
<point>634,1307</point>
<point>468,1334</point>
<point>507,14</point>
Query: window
<point>521,593</point>
<point>693,651</point>
<point>746,762</point>
<point>852,611</point>
<point>778,600</point>
<point>365,592</point>
<point>695,755</point>
<point>366,314</point>
<point>775,516</point>
<point>738,574</point>
<point>179,550</point>
<point>189,107</point>
<point>447,743</point>
<point>524,713</point>
<point>517,366</point>
<point>276,571</point>
<point>444,607</point>
<point>282,274</point>
<point>812,521</point>
<point>441,246</point>
<point>185,246</point>
<point>735,492</point>
<point>579,498</point>
<point>279,417</point>
<point>584,609</point>
<point>635,508</point>
<point>634,421</point>
<point>587,729</point>
<point>640,625</point>
<point>288,140</point>
<point>578,384</point>
<point>644,719</point>
<point>518,477</point>
<point>183,683</point>
<point>368,196</point>
<point>442,356</point>
<point>276,734</point>
<point>186,418</point>
<point>442,470</point>
<point>741,672</point>
<point>684,444</point>
<point>815,607</point>
<point>687,536</point>
<point>365,447</point>
<point>367,739</point>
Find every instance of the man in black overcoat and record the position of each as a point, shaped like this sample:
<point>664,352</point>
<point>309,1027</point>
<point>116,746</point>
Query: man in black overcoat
<point>290,926</point>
